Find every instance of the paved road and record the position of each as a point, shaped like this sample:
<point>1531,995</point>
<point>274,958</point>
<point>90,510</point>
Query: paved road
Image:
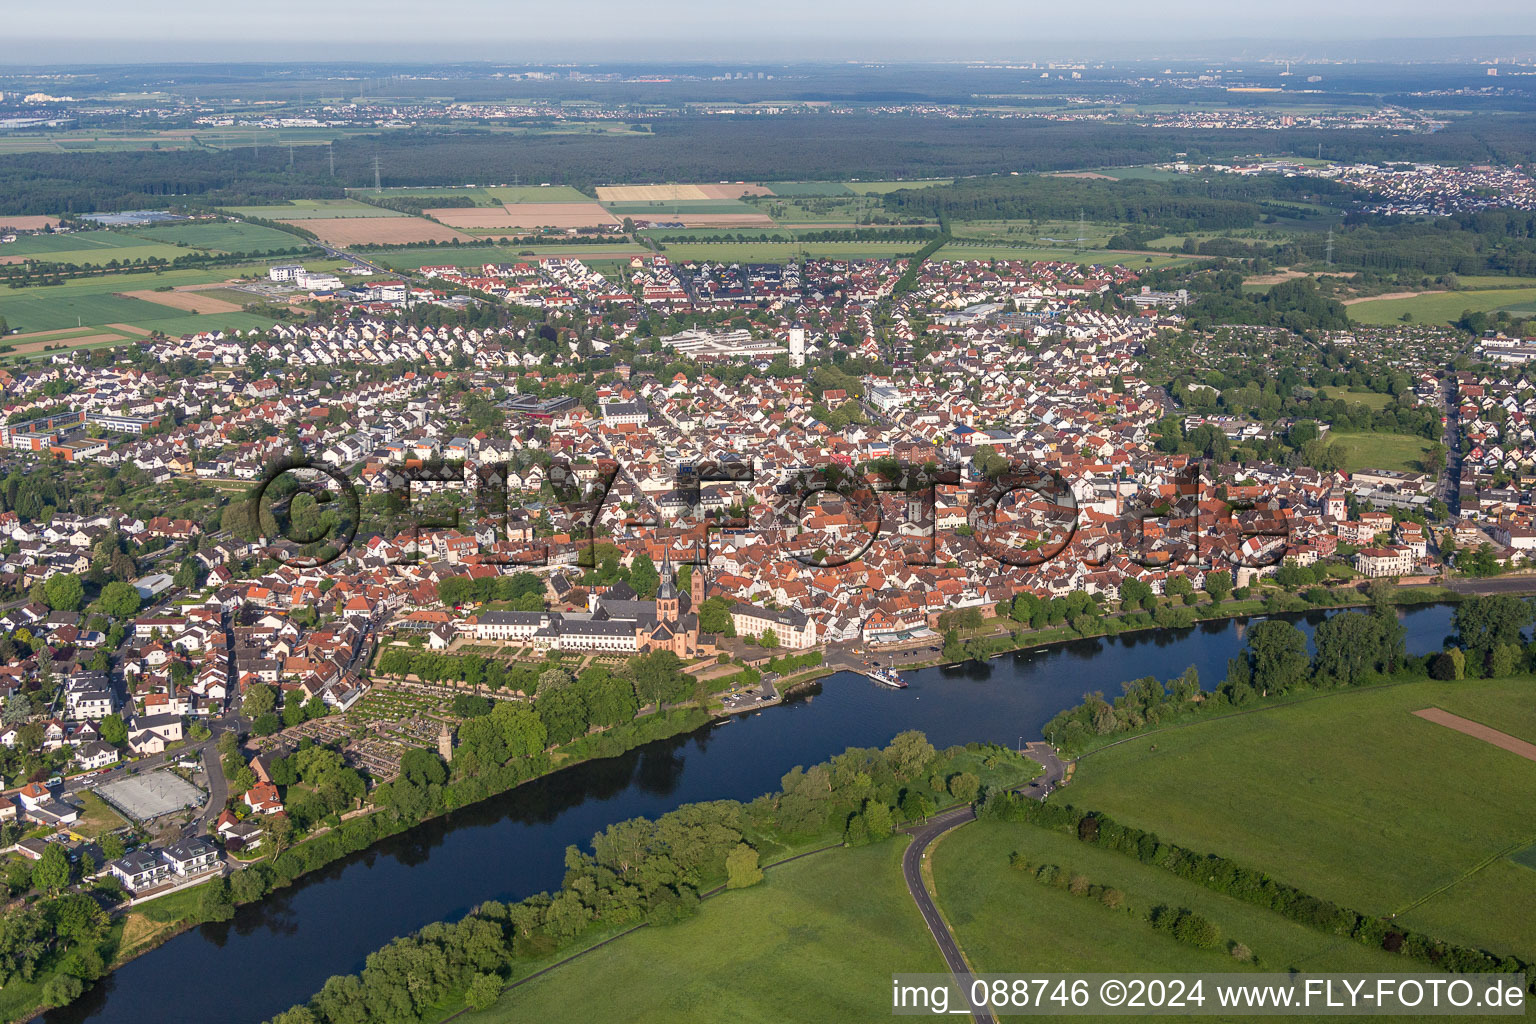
<point>924,835</point>
<point>1525,584</point>
<point>1450,476</point>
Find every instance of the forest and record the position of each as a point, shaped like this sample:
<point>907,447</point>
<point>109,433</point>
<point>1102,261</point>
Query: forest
<point>781,148</point>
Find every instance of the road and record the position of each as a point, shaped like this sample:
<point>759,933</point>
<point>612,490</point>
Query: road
<point>924,836</point>
<point>1524,583</point>
<point>1449,489</point>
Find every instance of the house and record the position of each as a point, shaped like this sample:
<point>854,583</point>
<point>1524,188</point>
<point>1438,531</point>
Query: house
<point>793,628</point>
<point>139,870</point>
<point>263,798</point>
<point>190,857</point>
<point>237,834</point>
<point>1389,561</point>
<point>95,754</point>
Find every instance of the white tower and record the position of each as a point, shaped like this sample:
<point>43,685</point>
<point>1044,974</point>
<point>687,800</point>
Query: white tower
<point>797,346</point>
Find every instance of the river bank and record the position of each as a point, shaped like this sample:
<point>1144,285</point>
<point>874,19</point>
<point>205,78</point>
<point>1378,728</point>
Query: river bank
<point>513,844</point>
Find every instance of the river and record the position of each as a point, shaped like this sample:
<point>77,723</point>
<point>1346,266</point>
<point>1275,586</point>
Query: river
<point>281,950</point>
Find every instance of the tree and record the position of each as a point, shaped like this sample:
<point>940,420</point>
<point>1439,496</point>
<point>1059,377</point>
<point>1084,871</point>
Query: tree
<point>214,902</point>
<point>1218,583</point>
<point>1279,656</point>
<point>111,846</point>
<point>1349,645</point>
<point>113,730</point>
<point>277,830</point>
<point>877,820</point>
<point>909,754</point>
<point>741,867</point>
<point>52,871</point>
<point>63,592</point>
<point>62,989</point>
<point>422,767</point>
<point>18,708</point>
<point>643,577</point>
<point>267,724</point>
<point>484,989</point>
<point>715,616</point>
<point>455,590</point>
<point>770,638</point>
<point>1484,623</point>
<point>1134,593</point>
<point>119,600</point>
<point>259,700</point>
<point>964,786</point>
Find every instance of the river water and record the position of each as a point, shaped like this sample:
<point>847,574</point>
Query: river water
<point>281,950</point>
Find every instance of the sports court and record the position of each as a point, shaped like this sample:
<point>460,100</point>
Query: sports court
<point>143,797</point>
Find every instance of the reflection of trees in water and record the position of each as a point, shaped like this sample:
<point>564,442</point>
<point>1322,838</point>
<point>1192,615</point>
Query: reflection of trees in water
<point>659,771</point>
<point>274,914</point>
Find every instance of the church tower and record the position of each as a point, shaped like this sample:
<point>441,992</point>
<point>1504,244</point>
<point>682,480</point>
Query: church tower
<point>696,587</point>
<point>666,593</point>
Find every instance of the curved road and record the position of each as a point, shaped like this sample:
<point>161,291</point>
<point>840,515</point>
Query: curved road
<point>924,835</point>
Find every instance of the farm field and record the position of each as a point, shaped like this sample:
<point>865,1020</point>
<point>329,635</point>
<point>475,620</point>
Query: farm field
<point>97,302</point>
<point>223,236</point>
<point>27,221</point>
<point>1000,914</point>
<point>1441,307</point>
<point>524,216</point>
<point>676,193</point>
<point>877,188</point>
<point>1364,803</point>
<point>779,252</point>
<point>166,242</point>
<point>1105,257</point>
<point>819,938</point>
<point>314,209</point>
<point>1403,452</point>
<point>344,231</point>
<point>676,208</point>
<point>808,188</point>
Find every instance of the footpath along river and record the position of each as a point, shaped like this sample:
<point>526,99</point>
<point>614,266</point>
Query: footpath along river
<point>281,950</point>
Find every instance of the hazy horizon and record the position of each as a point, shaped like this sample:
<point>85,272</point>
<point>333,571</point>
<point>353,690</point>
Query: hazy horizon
<point>477,30</point>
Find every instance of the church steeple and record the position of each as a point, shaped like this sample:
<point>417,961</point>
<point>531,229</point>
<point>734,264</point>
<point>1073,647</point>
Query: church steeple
<point>666,592</point>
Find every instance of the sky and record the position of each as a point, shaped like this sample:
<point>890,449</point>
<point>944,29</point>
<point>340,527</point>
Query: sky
<point>524,30</point>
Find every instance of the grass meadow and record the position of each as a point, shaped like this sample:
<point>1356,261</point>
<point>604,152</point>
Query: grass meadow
<point>817,940</point>
<point>1354,799</point>
<point>1404,452</point>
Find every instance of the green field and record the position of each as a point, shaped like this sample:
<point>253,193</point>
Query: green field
<point>91,302</point>
<point>876,188</point>
<point>1443,307</point>
<point>1004,919</point>
<point>792,189</point>
<point>1103,257</point>
<point>314,209</point>
<point>485,195</point>
<point>1402,452</point>
<point>223,236</point>
<point>816,941</point>
<point>166,242</point>
<point>1353,799</point>
<point>780,252</point>
<point>1370,399</point>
